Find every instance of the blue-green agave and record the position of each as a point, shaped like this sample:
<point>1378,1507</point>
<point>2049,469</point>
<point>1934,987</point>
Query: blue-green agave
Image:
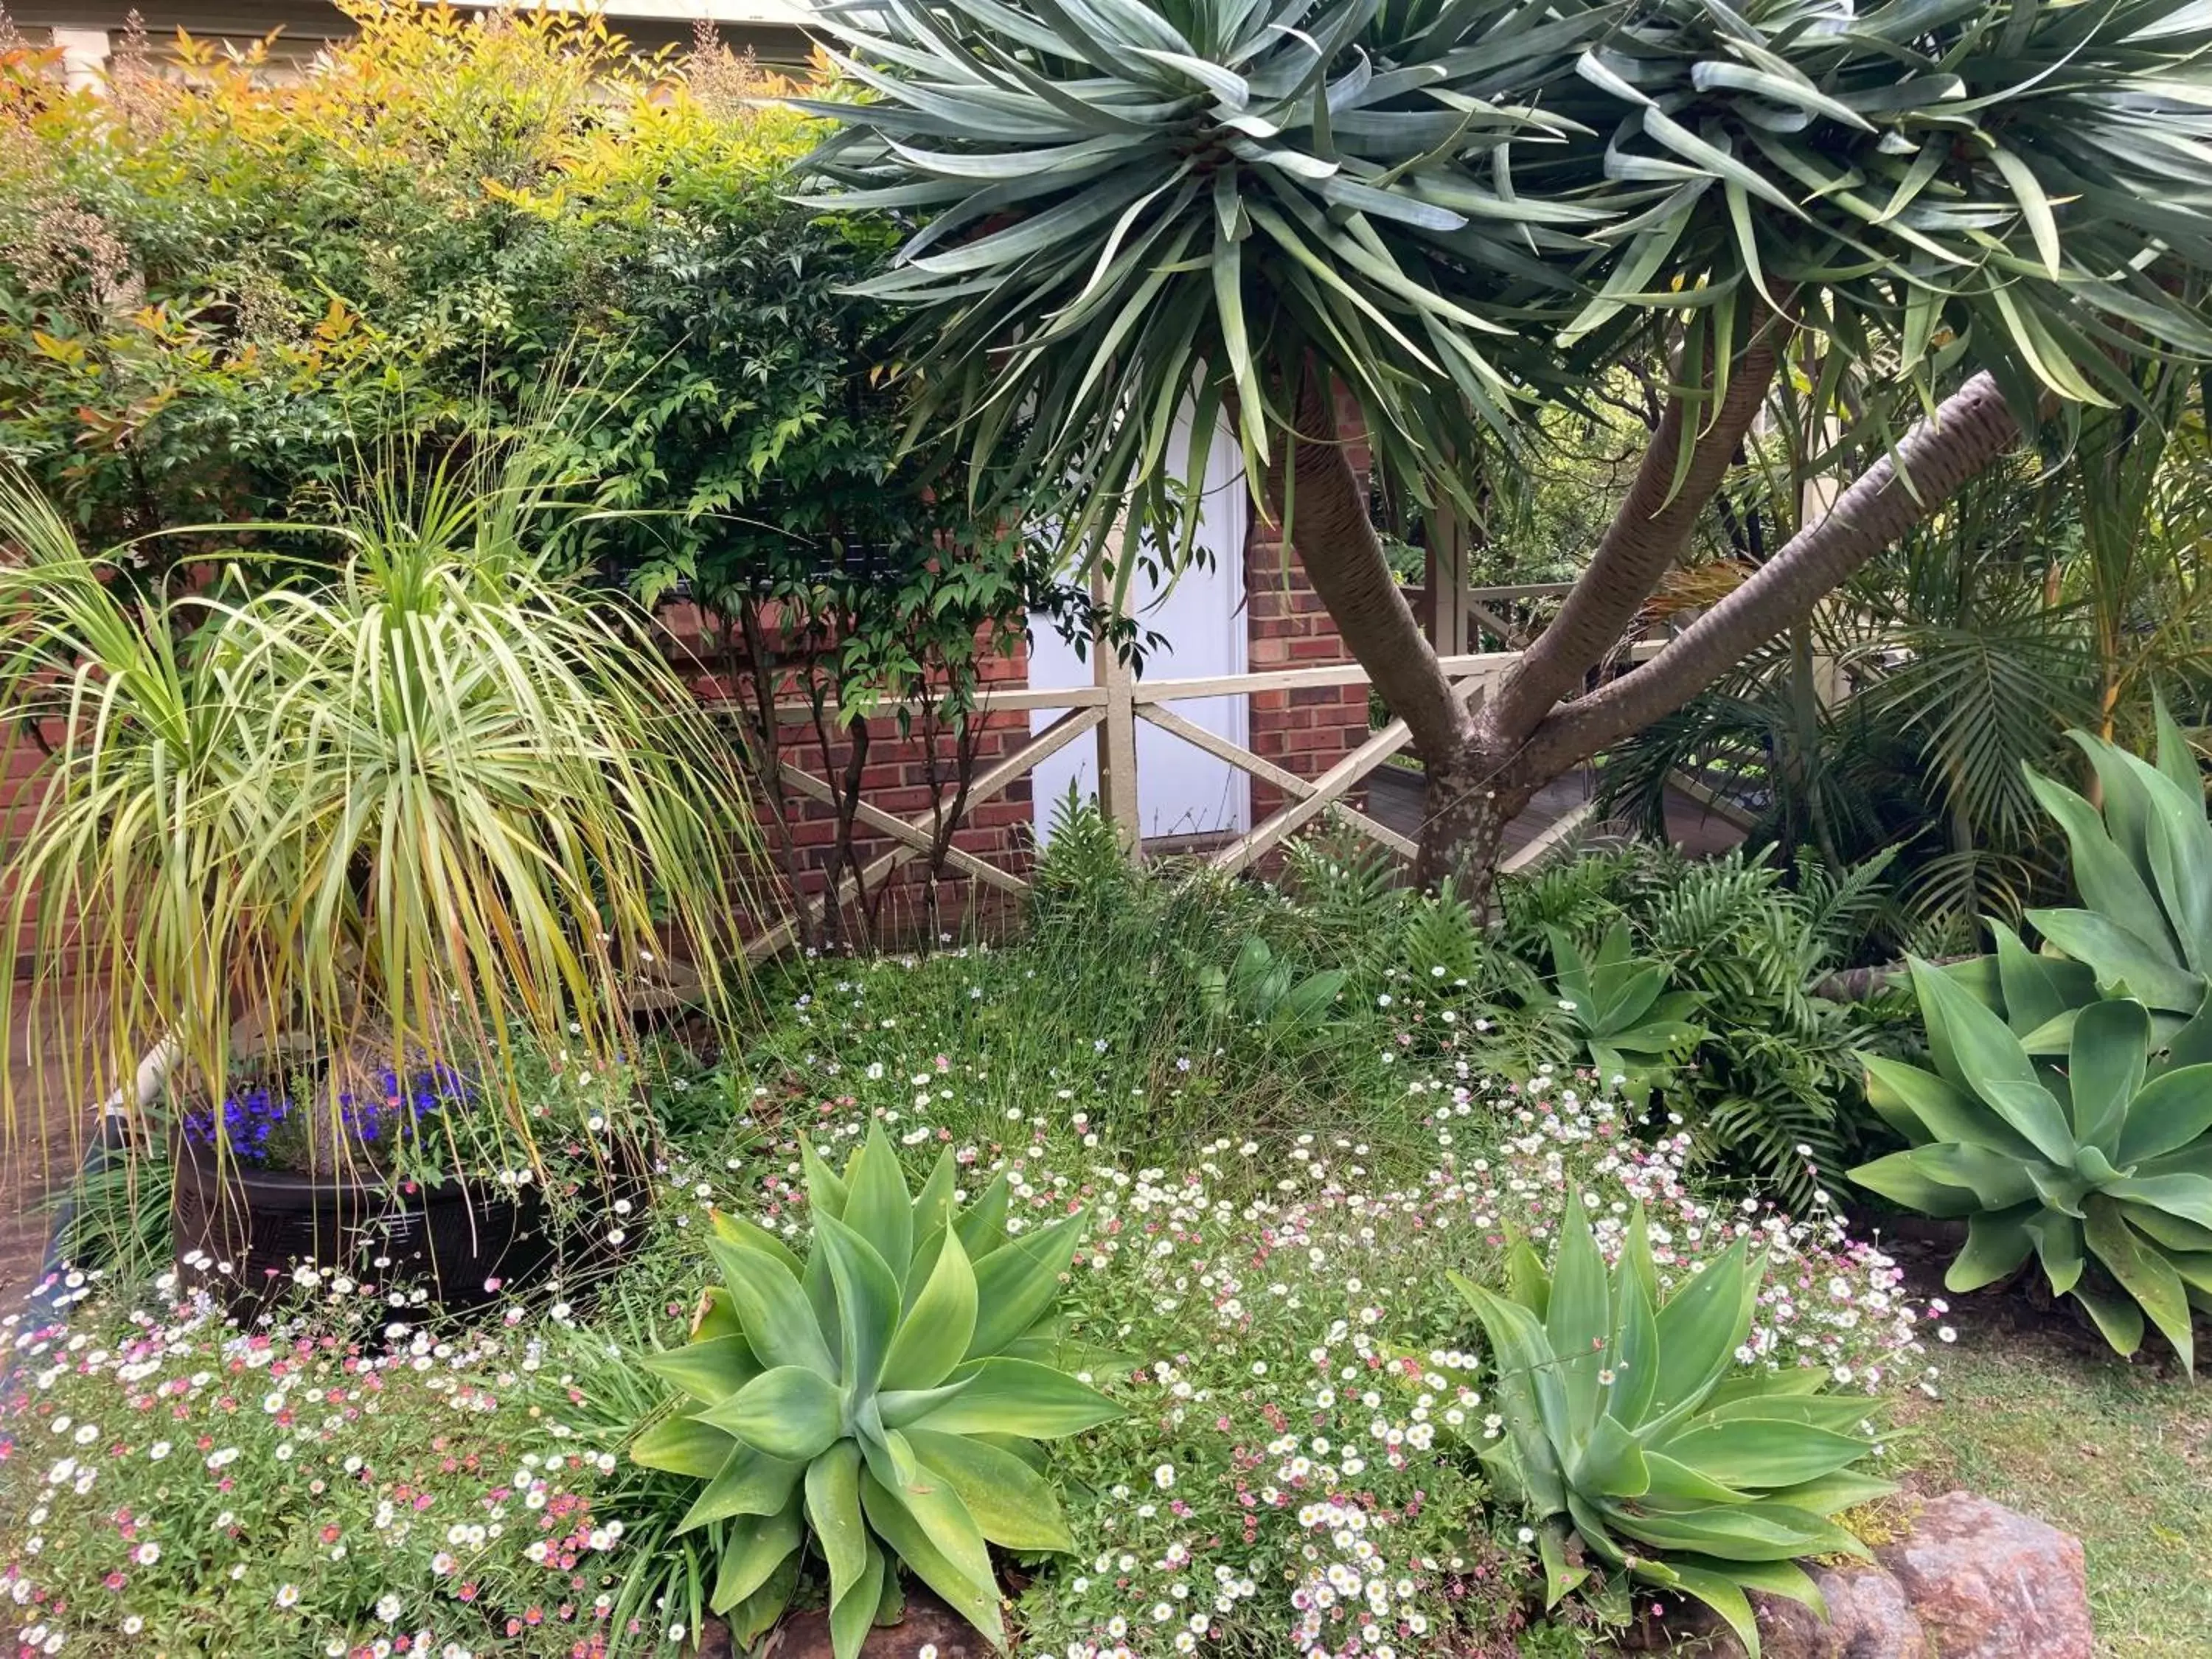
<point>1628,1423</point>
<point>2095,1160</point>
<point>882,1397</point>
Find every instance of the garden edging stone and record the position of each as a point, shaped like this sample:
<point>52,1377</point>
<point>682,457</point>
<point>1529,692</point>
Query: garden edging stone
<point>1971,1579</point>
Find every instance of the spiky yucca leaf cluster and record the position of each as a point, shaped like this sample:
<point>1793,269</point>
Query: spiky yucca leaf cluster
<point>883,1397</point>
<point>1624,1426</point>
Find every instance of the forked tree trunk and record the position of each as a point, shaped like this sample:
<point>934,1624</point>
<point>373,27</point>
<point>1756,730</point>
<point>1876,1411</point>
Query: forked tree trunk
<point>1483,767</point>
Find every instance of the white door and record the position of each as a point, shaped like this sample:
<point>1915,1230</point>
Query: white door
<point>1181,790</point>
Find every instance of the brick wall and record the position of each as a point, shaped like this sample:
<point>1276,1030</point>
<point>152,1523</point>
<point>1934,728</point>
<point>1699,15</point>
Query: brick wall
<point>998,830</point>
<point>1308,731</point>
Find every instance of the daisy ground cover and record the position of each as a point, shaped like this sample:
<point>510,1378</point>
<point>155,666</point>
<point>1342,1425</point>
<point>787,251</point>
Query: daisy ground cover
<point>1270,1232</point>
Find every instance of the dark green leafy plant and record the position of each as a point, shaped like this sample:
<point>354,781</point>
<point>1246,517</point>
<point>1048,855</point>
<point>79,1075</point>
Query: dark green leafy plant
<point>1629,1426</point>
<point>2096,1160</point>
<point>879,1400</point>
<point>1626,1023</point>
<point>1260,988</point>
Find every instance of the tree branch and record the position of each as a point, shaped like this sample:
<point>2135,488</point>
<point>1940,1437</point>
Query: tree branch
<point>1971,429</point>
<point>1336,543</point>
<point>1646,535</point>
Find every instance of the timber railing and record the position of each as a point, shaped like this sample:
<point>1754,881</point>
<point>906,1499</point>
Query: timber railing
<point>1108,712</point>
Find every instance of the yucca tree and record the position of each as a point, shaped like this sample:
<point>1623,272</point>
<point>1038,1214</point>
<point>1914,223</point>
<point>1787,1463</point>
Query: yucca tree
<point>1448,208</point>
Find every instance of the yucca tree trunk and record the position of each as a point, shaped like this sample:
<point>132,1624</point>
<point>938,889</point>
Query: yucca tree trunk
<point>1486,765</point>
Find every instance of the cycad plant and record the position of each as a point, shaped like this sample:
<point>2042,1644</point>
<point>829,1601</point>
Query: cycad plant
<point>409,802</point>
<point>881,1398</point>
<point>1630,1426</point>
<point>1625,1023</point>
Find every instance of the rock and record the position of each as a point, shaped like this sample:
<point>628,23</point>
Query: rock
<point>1988,1583</point>
<point>927,1623</point>
<point>1869,1618</point>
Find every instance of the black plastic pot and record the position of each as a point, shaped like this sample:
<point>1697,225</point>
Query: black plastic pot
<point>242,1232</point>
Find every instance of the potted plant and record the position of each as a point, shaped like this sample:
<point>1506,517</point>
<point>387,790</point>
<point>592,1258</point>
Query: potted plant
<point>431,809</point>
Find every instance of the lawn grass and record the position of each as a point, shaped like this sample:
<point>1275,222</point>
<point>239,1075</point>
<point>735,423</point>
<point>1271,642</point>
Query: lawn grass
<point>2119,1453</point>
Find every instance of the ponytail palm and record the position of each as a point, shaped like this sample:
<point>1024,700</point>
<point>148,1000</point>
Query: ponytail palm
<point>437,793</point>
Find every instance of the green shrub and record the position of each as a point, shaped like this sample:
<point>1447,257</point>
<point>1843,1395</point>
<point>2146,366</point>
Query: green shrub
<point>1627,1425</point>
<point>881,1398</point>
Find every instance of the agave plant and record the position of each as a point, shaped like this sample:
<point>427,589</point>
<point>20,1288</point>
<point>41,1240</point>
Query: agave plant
<point>2098,1164</point>
<point>883,1396</point>
<point>2142,863</point>
<point>1629,1424</point>
<point>1619,1010</point>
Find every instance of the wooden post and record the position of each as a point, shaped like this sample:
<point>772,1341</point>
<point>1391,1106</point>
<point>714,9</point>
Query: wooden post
<point>1447,583</point>
<point>1117,733</point>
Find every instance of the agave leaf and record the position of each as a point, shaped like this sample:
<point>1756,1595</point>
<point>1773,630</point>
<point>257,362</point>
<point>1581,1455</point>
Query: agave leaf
<point>2125,966</point>
<point>932,1209</point>
<point>683,1445</point>
<point>1992,1063</point>
<point>2058,1244</point>
<point>1017,1282</point>
<point>982,1225</point>
<point>825,1192</point>
<point>711,1371</point>
<point>867,1300</point>
<point>715,1316</point>
<point>1528,1394</point>
<point>792,1413</point>
<point>857,1611</point>
<point>1898,1179</point>
<point>2032,996</point>
<point>1762,1451</point>
<point>2116,1317</point>
<point>1611,1462</point>
<point>756,1546</point>
<point>2143,1273</point>
<point>963,1577</point>
<point>2170,1112</point>
<point>779,1323</point>
<point>751,1482</point>
<point>1741,1532</point>
<point>1717,1591</point>
<point>833,1510</point>
<point>1997,1242</point>
<point>736,1229</point>
<point>934,1334</point>
<point>1636,1360</point>
<point>2189,1197</point>
<point>1700,1327</point>
<point>1560,1579</point>
<point>1578,1319</point>
<point>1019,1396</point>
<point>1934,1110</point>
<point>1832,1494</point>
<point>2109,1053</point>
<point>1012,1501</point>
<point>877,1204</point>
<point>1672,1484</point>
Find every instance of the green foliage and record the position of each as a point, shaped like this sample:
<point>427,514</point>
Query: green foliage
<point>1259,988</point>
<point>1438,204</point>
<point>447,792</point>
<point>1628,1426</point>
<point>2142,863</point>
<point>1631,1030</point>
<point>2096,1159</point>
<point>882,1398</point>
<point>1084,871</point>
<point>1769,1087</point>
